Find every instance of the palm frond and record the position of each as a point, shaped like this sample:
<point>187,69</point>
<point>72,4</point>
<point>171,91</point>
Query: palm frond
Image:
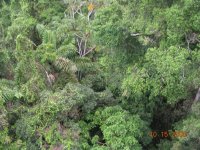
<point>66,65</point>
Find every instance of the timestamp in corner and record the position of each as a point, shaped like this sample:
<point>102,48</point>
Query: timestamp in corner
<point>167,134</point>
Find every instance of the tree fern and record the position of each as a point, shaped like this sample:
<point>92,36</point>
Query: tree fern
<point>24,6</point>
<point>40,29</point>
<point>84,64</point>
<point>48,36</point>
<point>66,65</point>
<point>24,43</point>
<point>8,92</point>
<point>4,63</point>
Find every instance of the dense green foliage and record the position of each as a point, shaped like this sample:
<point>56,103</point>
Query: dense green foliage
<point>99,75</point>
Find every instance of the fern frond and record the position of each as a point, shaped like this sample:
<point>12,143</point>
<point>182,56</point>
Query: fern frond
<point>8,93</point>
<point>24,43</point>
<point>40,29</point>
<point>84,64</point>
<point>66,65</point>
<point>48,36</point>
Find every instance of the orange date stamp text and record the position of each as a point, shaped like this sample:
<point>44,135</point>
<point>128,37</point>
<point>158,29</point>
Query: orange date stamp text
<point>167,134</point>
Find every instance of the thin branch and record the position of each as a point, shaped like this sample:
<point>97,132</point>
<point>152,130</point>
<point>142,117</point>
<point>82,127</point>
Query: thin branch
<point>85,47</point>
<point>78,35</point>
<point>47,75</point>
<point>79,46</point>
<point>76,10</point>
<point>136,34</point>
<point>91,49</point>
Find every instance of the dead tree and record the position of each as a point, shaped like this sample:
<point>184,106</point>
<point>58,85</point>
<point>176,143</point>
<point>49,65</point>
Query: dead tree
<point>191,38</point>
<point>82,45</point>
<point>50,77</point>
<point>197,96</point>
<point>75,8</point>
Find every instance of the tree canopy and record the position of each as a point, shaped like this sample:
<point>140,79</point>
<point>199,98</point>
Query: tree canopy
<point>99,75</point>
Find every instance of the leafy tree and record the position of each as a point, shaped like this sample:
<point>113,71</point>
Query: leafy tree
<point>119,129</point>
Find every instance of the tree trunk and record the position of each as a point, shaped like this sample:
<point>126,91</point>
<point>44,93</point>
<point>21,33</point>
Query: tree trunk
<point>197,96</point>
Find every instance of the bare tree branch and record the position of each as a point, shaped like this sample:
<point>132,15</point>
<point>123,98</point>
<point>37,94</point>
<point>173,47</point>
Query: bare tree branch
<point>136,34</point>
<point>191,38</point>
<point>145,34</point>
<point>91,49</point>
